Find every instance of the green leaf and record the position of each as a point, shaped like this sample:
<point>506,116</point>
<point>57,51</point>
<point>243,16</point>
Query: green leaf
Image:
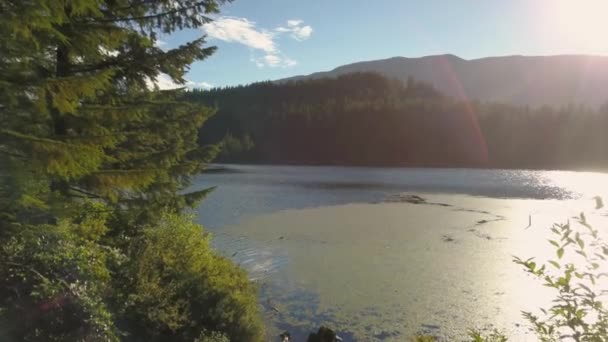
<point>560,253</point>
<point>555,264</point>
<point>580,241</point>
<point>585,288</point>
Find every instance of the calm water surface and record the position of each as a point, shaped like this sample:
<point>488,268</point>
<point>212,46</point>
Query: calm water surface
<point>326,248</point>
<point>248,190</point>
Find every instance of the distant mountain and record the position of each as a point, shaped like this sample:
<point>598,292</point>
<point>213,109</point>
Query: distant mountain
<point>528,80</point>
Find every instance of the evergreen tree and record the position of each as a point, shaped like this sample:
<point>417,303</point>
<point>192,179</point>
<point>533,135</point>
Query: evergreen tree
<point>93,158</point>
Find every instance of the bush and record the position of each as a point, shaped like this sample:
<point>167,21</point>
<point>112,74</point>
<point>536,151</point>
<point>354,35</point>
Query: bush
<point>55,280</point>
<point>63,283</point>
<point>182,289</point>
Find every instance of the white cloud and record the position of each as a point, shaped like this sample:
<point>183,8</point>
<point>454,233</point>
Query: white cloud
<point>164,82</point>
<point>273,61</point>
<point>302,33</point>
<point>204,85</point>
<point>246,32</point>
<point>294,22</point>
<point>241,30</point>
<point>297,29</point>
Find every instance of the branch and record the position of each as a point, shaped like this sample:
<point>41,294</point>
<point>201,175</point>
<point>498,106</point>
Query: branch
<point>89,194</point>
<point>151,16</point>
<point>27,268</point>
<point>16,155</point>
<point>99,66</point>
<point>144,2</point>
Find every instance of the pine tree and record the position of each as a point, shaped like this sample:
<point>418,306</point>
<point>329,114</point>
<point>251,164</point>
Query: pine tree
<point>75,97</point>
<point>92,156</point>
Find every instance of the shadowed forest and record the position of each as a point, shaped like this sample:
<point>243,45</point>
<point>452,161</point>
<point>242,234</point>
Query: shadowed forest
<point>367,119</point>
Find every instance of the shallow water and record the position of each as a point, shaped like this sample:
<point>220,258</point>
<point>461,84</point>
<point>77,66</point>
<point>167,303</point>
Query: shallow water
<point>326,247</point>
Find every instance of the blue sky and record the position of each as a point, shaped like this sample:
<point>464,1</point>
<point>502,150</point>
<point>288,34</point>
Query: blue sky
<point>270,39</point>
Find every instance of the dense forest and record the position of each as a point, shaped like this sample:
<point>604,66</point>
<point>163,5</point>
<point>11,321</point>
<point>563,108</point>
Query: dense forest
<point>367,119</point>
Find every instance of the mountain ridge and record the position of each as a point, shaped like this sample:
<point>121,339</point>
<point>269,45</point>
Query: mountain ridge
<point>558,80</point>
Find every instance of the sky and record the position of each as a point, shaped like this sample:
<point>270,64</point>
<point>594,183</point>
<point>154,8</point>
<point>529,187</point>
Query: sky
<point>262,40</point>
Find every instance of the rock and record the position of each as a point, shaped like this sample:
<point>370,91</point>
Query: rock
<point>324,335</point>
<point>448,238</point>
<point>405,198</point>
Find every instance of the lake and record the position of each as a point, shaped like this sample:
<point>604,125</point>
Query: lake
<point>345,246</point>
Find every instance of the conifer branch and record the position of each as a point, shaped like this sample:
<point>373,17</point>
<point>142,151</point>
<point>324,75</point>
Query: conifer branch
<point>151,16</point>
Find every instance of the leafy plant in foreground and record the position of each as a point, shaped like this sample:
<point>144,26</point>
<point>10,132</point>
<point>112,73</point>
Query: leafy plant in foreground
<point>578,274</point>
<point>494,336</point>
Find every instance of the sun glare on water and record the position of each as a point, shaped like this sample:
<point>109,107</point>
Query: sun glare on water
<point>584,184</point>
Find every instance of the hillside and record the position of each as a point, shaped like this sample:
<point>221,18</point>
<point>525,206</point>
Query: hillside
<point>520,80</point>
<point>368,119</point>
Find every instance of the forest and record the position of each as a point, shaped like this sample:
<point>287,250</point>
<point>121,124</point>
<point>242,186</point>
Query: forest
<point>367,119</point>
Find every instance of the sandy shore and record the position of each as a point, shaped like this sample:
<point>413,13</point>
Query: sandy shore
<point>386,271</point>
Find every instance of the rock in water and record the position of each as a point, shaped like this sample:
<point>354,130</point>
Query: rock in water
<point>323,335</point>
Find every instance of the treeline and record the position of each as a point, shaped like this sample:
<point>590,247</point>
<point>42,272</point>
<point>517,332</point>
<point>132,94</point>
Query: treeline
<point>367,119</point>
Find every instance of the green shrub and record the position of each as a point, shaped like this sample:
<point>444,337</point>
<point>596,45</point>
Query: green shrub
<point>494,336</point>
<point>180,286</point>
<point>62,283</point>
<point>55,280</point>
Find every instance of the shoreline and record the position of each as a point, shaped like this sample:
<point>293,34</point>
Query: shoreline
<point>227,165</point>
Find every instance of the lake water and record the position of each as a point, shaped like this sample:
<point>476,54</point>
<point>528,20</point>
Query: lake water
<point>248,190</point>
<point>329,245</point>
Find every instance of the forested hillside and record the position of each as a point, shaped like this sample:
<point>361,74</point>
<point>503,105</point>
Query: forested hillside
<point>367,119</point>
<point>522,80</point>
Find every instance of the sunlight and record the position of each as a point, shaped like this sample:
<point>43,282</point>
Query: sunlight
<point>581,23</point>
<point>586,184</point>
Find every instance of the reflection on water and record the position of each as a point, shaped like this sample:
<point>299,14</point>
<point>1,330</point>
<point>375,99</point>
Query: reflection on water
<point>388,270</point>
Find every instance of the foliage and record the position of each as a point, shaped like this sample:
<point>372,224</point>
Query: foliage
<point>494,336</point>
<point>578,312</point>
<point>235,148</point>
<point>367,119</point>
<point>94,164</point>
<point>181,285</point>
<point>474,336</point>
<point>54,278</point>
